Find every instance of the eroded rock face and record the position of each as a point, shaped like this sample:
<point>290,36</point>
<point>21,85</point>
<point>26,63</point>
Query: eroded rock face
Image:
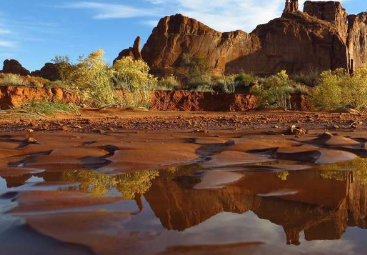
<point>133,52</point>
<point>316,39</point>
<point>49,71</point>
<point>332,12</point>
<point>14,67</point>
<point>177,35</point>
<point>357,40</point>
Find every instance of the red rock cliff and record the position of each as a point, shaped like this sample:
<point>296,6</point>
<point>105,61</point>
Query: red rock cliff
<point>317,39</point>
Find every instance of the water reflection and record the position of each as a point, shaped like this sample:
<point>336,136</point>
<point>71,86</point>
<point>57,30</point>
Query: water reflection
<point>308,205</point>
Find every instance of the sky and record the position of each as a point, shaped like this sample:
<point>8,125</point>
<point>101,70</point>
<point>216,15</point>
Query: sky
<point>35,31</point>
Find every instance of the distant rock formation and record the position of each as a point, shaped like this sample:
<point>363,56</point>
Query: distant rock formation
<point>291,6</point>
<point>49,71</point>
<point>323,37</point>
<point>133,52</point>
<point>14,67</point>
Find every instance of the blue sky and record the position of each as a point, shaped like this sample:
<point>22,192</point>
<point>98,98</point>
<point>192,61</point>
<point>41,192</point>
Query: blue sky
<point>34,31</point>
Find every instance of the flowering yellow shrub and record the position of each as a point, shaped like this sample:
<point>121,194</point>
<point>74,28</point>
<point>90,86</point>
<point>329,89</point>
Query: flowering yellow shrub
<point>97,82</point>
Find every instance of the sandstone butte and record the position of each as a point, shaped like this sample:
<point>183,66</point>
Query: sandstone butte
<point>322,37</point>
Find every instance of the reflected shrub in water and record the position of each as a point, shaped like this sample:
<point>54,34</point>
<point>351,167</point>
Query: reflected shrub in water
<point>135,183</point>
<point>283,175</point>
<point>99,184</point>
<point>357,167</point>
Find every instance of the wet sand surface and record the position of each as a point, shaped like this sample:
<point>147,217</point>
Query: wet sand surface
<point>158,192</point>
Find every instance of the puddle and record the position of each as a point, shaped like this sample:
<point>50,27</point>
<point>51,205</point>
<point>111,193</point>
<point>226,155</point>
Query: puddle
<point>221,200</point>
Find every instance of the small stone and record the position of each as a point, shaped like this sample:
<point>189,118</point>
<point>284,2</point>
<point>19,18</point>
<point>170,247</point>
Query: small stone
<point>297,131</point>
<point>30,130</point>
<point>31,140</point>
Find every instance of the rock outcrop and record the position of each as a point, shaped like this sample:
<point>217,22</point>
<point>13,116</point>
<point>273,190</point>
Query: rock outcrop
<point>332,12</point>
<point>49,71</point>
<point>11,96</point>
<point>177,35</point>
<point>357,40</point>
<point>14,67</point>
<point>133,52</point>
<point>291,6</point>
<point>317,39</point>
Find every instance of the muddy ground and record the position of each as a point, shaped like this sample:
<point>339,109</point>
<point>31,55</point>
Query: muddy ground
<point>107,120</point>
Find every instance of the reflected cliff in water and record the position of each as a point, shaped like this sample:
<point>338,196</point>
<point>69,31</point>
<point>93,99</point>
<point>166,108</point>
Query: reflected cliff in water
<point>323,208</point>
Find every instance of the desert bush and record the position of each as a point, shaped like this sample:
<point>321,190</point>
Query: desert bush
<point>301,89</point>
<point>197,71</point>
<point>17,80</point>
<point>244,80</point>
<point>91,78</point>
<point>275,90</point>
<point>36,81</point>
<point>13,80</point>
<point>310,78</point>
<point>63,65</point>
<point>133,76</point>
<point>42,108</point>
<point>96,82</point>
<point>328,94</point>
<point>199,81</point>
<point>168,83</point>
<point>337,89</point>
<point>204,88</point>
<point>225,84</point>
<point>356,89</point>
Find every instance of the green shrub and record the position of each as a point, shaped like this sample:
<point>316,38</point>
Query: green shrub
<point>13,80</point>
<point>275,90</point>
<point>301,89</point>
<point>17,80</point>
<point>91,78</point>
<point>197,71</point>
<point>168,83</point>
<point>310,78</point>
<point>199,81</point>
<point>244,80</point>
<point>338,90</point>
<point>42,108</point>
<point>225,84</point>
<point>204,88</point>
<point>133,77</point>
<point>328,94</point>
<point>97,83</point>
